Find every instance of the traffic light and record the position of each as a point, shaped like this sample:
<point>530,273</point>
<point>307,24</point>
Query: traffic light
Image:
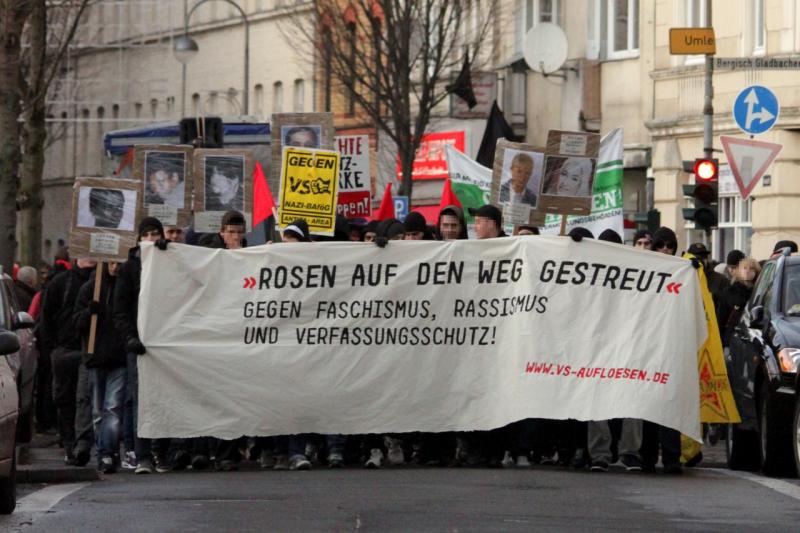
<point>704,191</point>
<point>651,219</point>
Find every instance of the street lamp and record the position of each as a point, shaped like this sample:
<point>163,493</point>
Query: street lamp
<point>185,48</point>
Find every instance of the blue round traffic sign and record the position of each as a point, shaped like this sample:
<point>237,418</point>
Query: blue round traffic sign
<point>756,109</point>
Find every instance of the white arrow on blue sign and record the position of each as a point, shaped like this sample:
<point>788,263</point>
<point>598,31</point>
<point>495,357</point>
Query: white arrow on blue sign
<point>756,109</point>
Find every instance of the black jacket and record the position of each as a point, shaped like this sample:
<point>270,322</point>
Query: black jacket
<point>126,296</point>
<point>25,295</point>
<point>109,346</point>
<point>730,307</point>
<point>57,327</point>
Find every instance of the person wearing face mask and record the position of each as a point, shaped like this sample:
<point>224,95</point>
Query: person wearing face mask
<point>735,296</point>
<point>716,282</point>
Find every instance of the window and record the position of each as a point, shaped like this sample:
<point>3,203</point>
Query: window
<point>735,227</point>
<point>759,28</point>
<point>537,11</point>
<point>153,108</point>
<point>299,96</point>
<point>137,110</point>
<point>115,115</point>
<point>170,105</point>
<point>623,28</point>
<point>258,105</point>
<point>195,104</point>
<point>277,97</point>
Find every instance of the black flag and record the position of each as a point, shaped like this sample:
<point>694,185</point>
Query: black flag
<point>496,128</point>
<point>462,87</point>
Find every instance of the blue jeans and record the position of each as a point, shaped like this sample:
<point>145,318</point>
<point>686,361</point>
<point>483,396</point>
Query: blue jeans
<point>108,399</point>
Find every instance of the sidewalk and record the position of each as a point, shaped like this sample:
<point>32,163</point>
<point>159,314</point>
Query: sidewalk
<point>42,461</point>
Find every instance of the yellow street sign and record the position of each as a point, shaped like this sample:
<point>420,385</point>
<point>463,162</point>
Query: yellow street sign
<point>691,41</point>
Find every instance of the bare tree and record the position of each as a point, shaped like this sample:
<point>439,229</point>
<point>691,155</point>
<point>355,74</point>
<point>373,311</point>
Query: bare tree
<point>392,59</point>
<point>13,14</point>
<point>50,30</point>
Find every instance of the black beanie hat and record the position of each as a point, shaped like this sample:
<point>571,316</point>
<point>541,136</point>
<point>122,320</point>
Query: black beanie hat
<point>150,224</point>
<point>298,229</point>
<point>580,232</point>
<point>610,235</point>
<point>391,227</point>
<point>415,222</point>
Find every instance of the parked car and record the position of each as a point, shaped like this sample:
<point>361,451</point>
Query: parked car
<point>9,411</point>
<point>763,369</point>
<point>24,361</point>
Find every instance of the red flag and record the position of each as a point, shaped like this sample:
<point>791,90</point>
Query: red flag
<point>263,203</point>
<point>448,196</point>
<point>386,210</point>
<point>125,161</point>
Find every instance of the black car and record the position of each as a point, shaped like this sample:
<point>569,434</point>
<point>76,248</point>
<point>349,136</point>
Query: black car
<point>763,369</point>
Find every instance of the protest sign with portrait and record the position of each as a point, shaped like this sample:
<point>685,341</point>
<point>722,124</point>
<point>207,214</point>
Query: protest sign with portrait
<point>166,192</point>
<point>309,187</point>
<point>105,213</point>
<point>569,169</point>
<point>300,130</point>
<point>223,181</point>
<point>516,182</point>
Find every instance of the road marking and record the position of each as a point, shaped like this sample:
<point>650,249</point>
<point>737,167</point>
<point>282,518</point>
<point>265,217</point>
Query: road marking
<point>787,489</point>
<point>45,499</point>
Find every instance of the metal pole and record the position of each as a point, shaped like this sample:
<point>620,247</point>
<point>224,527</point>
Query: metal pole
<point>183,65</point>
<point>708,105</point>
<point>246,64</point>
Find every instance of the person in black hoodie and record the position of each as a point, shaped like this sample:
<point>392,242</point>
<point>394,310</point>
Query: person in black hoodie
<point>107,365</point>
<point>735,296</point>
<point>125,311</point>
<point>71,394</point>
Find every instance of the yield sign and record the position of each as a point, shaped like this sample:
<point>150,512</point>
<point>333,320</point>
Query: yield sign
<point>748,160</point>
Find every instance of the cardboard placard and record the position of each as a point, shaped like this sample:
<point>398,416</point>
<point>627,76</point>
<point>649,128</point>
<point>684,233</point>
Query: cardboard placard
<point>516,182</point>
<point>309,187</point>
<point>301,130</point>
<point>165,172</point>
<point>105,218</point>
<point>354,176</point>
<point>223,181</point>
<point>569,169</point>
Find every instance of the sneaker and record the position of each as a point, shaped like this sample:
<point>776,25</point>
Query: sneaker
<point>145,466</point>
<point>395,453</point>
<point>82,456</point>
<point>508,461</point>
<point>281,463</point>
<point>312,452</point>
<point>523,462</point>
<point>106,465</point>
<point>162,464</point>
<point>375,458</point>
<point>199,462</point>
<point>181,459</point>
<point>631,463</point>
<point>673,469</point>
<point>69,458</point>
<point>266,459</point>
<point>599,466</point>
<point>129,461</point>
<point>226,465</point>
<point>548,459</point>
<point>579,461</point>
<point>299,462</point>
<point>335,460</point>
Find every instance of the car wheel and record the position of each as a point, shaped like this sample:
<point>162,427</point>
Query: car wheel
<point>741,449</point>
<point>8,489</point>
<point>796,435</point>
<point>775,439</point>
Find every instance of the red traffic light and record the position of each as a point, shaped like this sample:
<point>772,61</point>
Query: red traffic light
<point>705,169</point>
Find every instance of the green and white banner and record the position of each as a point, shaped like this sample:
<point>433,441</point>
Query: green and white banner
<point>471,181</point>
<point>607,204</point>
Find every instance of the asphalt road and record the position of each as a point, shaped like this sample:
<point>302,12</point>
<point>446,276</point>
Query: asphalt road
<point>412,499</point>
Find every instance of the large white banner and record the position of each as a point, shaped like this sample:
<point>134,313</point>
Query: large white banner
<point>418,336</point>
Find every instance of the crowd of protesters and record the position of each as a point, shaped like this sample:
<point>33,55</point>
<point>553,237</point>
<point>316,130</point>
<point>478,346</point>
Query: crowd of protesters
<point>90,399</point>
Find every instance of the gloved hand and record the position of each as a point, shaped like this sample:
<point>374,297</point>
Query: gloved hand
<point>134,345</point>
<point>381,242</point>
<point>95,308</point>
<point>576,237</point>
<point>696,263</point>
<point>161,244</point>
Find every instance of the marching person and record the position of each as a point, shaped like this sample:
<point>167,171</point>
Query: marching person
<point>71,392</point>
<point>716,282</point>
<point>107,365</point>
<point>125,313</point>
<point>452,225</point>
<point>488,222</point>
<point>733,299</point>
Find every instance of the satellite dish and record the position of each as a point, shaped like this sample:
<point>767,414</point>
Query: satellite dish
<point>545,48</point>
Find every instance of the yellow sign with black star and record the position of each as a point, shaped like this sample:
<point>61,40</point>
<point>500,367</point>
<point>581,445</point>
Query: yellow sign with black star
<point>309,188</point>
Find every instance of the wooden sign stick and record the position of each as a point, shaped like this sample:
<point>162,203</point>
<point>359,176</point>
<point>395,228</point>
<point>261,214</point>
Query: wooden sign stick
<point>98,280</point>
<point>563,225</point>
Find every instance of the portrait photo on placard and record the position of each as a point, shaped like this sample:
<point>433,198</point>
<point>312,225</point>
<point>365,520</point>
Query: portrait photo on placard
<point>302,136</point>
<point>165,179</point>
<point>521,177</point>
<point>568,176</point>
<point>106,208</point>
<point>223,176</point>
